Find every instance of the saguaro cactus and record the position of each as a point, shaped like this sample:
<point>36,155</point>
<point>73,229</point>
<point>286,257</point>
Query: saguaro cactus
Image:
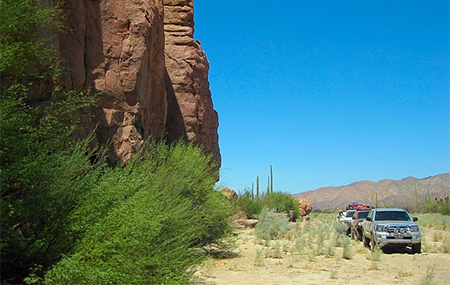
<point>257,186</point>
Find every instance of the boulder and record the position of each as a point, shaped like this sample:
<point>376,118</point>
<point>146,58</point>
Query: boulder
<point>304,208</point>
<point>229,193</point>
<point>246,223</point>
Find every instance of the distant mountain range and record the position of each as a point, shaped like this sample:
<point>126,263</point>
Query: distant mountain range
<point>395,193</point>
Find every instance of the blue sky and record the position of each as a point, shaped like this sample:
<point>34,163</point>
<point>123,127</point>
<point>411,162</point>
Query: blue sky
<point>328,92</point>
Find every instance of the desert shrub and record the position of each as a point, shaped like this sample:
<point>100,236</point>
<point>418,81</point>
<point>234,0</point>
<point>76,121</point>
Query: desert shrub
<point>282,203</point>
<point>248,204</point>
<point>43,172</point>
<point>25,53</point>
<point>252,206</point>
<point>271,225</point>
<point>43,169</point>
<point>154,216</point>
<point>338,234</point>
<point>329,250</point>
<point>347,252</point>
<point>434,221</point>
<point>324,218</point>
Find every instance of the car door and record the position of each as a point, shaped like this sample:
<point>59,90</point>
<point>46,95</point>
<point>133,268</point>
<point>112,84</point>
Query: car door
<point>366,224</point>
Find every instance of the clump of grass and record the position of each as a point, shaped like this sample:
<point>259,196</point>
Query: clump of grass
<point>320,240</point>
<point>299,245</point>
<point>333,274</point>
<point>403,273</point>
<point>271,225</point>
<point>338,237</point>
<point>312,253</point>
<point>373,266</point>
<point>446,246</point>
<point>260,258</point>
<point>274,252</point>
<point>375,255</point>
<point>329,250</point>
<point>437,236</point>
<point>429,277</point>
<point>286,247</point>
<point>347,252</point>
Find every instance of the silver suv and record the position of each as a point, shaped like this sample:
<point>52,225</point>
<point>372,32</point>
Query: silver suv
<point>391,227</point>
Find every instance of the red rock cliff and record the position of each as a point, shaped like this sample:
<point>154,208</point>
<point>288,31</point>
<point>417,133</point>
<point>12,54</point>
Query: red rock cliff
<point>141,55</point>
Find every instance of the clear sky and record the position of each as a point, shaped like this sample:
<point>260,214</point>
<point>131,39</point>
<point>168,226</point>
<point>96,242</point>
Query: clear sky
<point>328,92</point>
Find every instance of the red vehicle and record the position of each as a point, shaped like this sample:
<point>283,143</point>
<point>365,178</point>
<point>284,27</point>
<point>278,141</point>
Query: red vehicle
<point>356,226</point>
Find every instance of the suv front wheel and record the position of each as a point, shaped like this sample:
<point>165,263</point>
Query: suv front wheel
<point>417,247</point>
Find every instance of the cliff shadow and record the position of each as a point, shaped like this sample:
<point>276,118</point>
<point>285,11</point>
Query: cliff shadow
<point>175,128</point>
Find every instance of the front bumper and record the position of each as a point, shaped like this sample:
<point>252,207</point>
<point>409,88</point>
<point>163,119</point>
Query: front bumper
<point>387,238</point>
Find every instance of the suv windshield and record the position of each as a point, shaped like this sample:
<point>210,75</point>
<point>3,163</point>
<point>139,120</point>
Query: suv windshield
<point>348,214</point>
<point>392,216</point>
<point>362,215</point>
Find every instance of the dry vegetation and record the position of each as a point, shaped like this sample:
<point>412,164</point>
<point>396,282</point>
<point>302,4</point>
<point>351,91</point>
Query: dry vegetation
<point>318,252</point>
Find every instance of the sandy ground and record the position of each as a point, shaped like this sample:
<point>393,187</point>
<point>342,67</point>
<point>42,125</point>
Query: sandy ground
<point>396,267</point>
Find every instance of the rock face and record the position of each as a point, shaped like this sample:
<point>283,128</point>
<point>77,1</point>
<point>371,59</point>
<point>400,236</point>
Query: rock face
<point>153,76</point>
<point>187,68</point>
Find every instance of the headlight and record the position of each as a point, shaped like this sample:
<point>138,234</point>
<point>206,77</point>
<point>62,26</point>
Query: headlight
<point>414,229</point>
<point>381,228</point>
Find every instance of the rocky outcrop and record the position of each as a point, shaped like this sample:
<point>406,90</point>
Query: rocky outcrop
<point>187,68</point>
<point>153,76</point>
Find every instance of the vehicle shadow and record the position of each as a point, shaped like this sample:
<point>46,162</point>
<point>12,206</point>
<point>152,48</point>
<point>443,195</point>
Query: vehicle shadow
<point>402,250</point>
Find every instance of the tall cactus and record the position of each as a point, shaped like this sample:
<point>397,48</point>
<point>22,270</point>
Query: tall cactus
<point>253,195</point>
<point>271,179</point>
<point>257,187</point>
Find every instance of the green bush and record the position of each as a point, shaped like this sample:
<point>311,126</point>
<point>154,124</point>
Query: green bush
<point>282,203</point>
<point>62,207</point>
<point>249,205</point>
<point>25,53</point>
<point>252,206</point>
<point>43,171</point>
<point>150,223</point>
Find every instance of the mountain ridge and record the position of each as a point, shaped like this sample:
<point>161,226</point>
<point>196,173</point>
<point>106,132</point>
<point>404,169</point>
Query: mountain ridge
<point>385,192</point>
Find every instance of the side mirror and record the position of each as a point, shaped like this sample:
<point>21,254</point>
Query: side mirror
<point>369,219</point>
<point>353,218</point>
<point>415,219</point>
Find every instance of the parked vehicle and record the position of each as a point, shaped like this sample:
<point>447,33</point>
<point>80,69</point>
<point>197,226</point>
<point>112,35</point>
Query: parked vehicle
<point>356,227</point>
<point>357,206</point>
<point>391,228</point>
<point>346,218</point>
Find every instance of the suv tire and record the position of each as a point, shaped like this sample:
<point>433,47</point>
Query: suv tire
<point>358,235</point>
<point>366,241</point>
<point>417,247</point>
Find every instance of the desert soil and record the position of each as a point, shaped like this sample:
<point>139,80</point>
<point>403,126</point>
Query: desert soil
<point>396,267</point>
